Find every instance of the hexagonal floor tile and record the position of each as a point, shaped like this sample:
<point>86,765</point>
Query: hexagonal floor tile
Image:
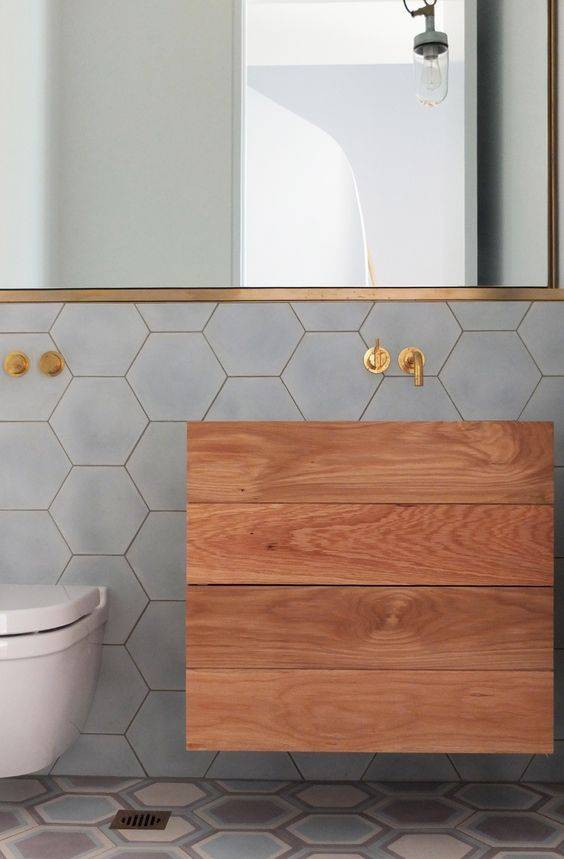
<point>498,796</point>
<point>78,808</point>
<point>94,784</point>
<point>33,473</point>
<point>158,555</point>
<point>31,397</point>
<point>432,846</point>
<point>31,548</point>
<point>247,812</point>
<point>162,666</point>
<point>64,842</point>
<point>513,829</point>
<point>253,339</point>
<point>541,331</point>
<point>146,851</point>
<point>332,796</point>
<point>176,829</point>
<point>251,786</point>
<point>13,821</point>
<point>554,809</point>
<point>99,510</point>
<point>421,812</point>
<point>338,829</point>
<point>176,377</point>
<point>21,789</point>
<point>170,793</point>
<point>251,845</point>
<point>99,339</point>
<point>98,421</point>
<point>158,466</point>
<point>342,394</point>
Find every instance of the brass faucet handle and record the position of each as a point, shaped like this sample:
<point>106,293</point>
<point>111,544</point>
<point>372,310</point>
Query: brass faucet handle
<point>16,364</point>
<point>51,363</point>
<point>412,360</point>
<point>377,359</point>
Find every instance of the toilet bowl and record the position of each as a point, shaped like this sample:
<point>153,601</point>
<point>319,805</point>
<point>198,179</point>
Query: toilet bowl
<point>50,651</point>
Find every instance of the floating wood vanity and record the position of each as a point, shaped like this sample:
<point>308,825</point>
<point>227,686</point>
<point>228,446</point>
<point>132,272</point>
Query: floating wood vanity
<point>370,587</point>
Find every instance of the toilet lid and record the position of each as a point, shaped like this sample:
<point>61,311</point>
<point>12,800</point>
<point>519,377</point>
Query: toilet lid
<point>34,608</point>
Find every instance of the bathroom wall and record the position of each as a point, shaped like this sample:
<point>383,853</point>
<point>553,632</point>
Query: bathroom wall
<point>92,477</point>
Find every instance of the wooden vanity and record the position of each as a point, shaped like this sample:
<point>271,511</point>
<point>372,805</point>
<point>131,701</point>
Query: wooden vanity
<point>370,587</point>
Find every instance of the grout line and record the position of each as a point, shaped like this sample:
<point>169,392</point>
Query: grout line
<point>211,763</point>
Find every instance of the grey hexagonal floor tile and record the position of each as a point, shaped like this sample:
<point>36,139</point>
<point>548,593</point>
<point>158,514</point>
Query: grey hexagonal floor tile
<point>176,316</point>
<point>253,339</point>
<point>99,339</point>
<point>176,377</point>
<point>126,596</point>
<point>98,510</point>
<point>31,397</point>
<point>253,399</point>
<point>158,466</point>
<point>77,808</point>
<point>490,375</point>
<point>98,421</point>
<point>157,645</point>
<point>399,400</point>
<point>333,796</point>
<point>520,829</point>
<point>119,693</point>
<point>170,794</point>
<point>327,378</point>
<point>428,325</point>
<point>542,332</point>
<point>334,829</point>
<point>14,820</point>
<point>32,474</point>
<point>429,846</point>
<point>419,812</point>
<point>498,796</point>
<point>158,555</point>
<point>547,404</point>
<point>247,812</point>
<point>31,548</point>
<point>251,845</point>
<point>64,842</point>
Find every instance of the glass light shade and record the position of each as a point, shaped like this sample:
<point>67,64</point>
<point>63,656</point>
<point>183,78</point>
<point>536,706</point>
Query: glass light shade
<point>431,73</point>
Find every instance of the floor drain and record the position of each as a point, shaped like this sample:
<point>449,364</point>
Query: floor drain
<point>130,819</point>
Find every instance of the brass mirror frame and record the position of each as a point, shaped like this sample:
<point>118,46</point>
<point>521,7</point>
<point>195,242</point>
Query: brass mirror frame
<point>551,292</point>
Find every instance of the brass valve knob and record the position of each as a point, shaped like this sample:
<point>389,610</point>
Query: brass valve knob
<point>16,363</point>
<point>51,363</point>
<point>377,359</point>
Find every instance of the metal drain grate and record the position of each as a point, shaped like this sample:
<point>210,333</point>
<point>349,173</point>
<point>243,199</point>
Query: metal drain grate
<point>130,819</point>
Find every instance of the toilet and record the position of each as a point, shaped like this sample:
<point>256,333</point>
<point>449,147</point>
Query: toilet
<point>50,651</point>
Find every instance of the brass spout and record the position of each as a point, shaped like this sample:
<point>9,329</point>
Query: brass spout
<point>412,361</point>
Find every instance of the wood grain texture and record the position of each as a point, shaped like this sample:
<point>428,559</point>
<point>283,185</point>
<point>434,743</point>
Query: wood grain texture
<point>498,462</point>
<point>370,628</point>
<point>370,544</point>
<point>370,711</point>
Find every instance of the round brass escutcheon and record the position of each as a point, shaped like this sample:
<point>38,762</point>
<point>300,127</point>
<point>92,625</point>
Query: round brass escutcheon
<point>405,359</point>
<point>51,363</point>
<point>377,360</point>
<point>16,363</point>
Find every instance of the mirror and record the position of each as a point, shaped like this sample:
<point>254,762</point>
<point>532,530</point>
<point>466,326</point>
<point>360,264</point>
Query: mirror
<point>274,143</point>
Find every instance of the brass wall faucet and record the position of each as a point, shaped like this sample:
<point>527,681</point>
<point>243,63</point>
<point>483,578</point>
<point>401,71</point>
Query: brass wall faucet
<point>412,360</point>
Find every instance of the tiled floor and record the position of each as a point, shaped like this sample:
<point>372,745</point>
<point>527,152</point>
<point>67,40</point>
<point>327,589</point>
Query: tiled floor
<point>66,818</point>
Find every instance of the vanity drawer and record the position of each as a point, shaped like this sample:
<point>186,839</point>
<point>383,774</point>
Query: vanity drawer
<point>370,711</point>
<point>372,628</point>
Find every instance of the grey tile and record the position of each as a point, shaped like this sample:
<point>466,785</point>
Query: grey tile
<point>32,550</point>
<point>176,316</point>
<point>428,325</point>
<point>559,606</point>
<point>489,315</point>
<point>498,796</point>
<point>99,754</point>
<point>99,339</point>
<point>490,767</point>
<point>399,400</point>
<point>543,333</point>
<point>327,378</point>
<point>158,735</point>
<point>253,399</point>
<point>253,339</point>
<point>158,555</point>
<point>332,315</point>
<point>559,695</point>
<point>176,377</point>
<point>98,510</point>
<point>126,599</point>
<point>254,765</point>
<point>546,768</point>
<point>323,766</point>
<point>559,511</point>
<point>490,376</point>
<point>158,466</point>
<point>157,645</point>
<point>547,404</point>
<point>98,421</point>
<point>31,397</point>
<point>28,317</point>
<point>32,468</point>
<point>389,767</point>
<point>119,693</point>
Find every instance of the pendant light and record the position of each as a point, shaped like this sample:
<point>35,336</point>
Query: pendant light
<point>430,54</point>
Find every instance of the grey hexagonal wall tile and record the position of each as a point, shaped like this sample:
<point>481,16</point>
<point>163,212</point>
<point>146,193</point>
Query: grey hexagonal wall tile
<point>32,468</point>
<point>127,599</point>
<point>99,510</point>
<point>31,548</point>
<point>176,377</point>
<point>158,555</point>
<point>546,768</point>
<point>399,400</point>
<point>158,735</point>
<point>175,316</point>
<point>99,339</point>
<point>489,315</point>
<point>332,315</point>
<point>559,604</point>
<point>28,317</point>
<point>327,378</point>
<point>559,511</point>
<point>428,325</point>
<point>99,755</point>
<point>324,766</point>
<point>31,397</point>
<point>254,765</point>
<point>490,768</point>
<point>490,375</point>
<point>158,466</point>
<point>422,767</point>
<point>98,421</point>
<point>253,399</point>
<point>542,331</point>
<point>157,645</point>
<point>253,339</point>
<point>547,404</point>
<point>119,693</point>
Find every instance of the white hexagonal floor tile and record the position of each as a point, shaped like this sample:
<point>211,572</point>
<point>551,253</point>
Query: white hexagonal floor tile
<point>33,396</point>
<point>170,794</point>
<point>32,474</point>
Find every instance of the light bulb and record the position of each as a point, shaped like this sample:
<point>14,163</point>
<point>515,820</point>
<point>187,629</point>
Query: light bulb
<point>431,75</point>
